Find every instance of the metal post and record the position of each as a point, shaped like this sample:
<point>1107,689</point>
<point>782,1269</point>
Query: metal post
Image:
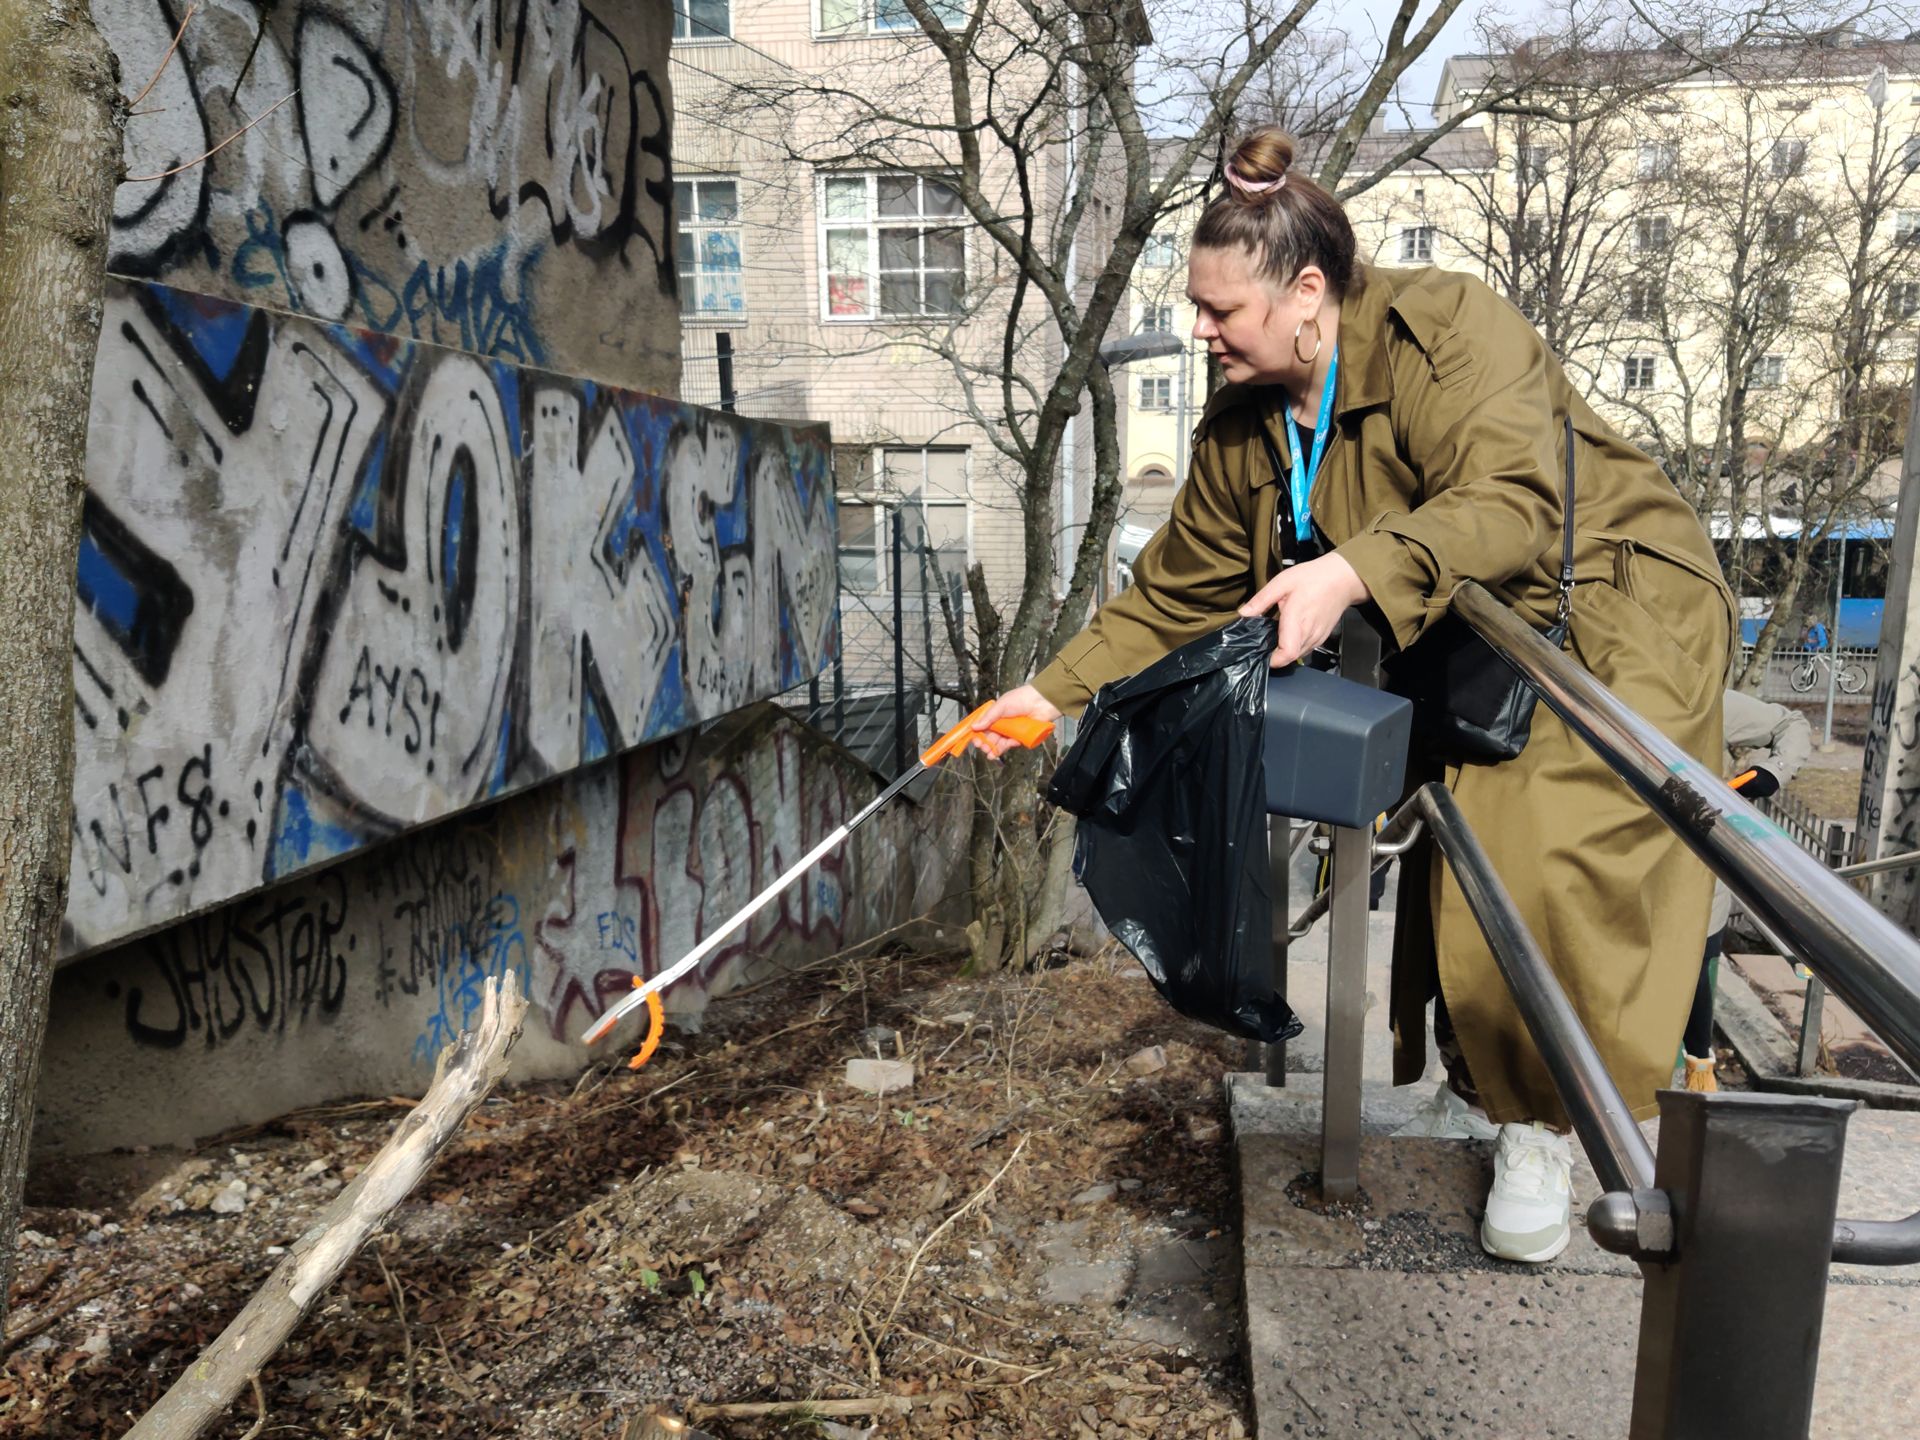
<point>723,355</point>
<point>1833,642</point>
<point>1889,772</point>
<point>1347,960</point>
<point>1279,863</point>
<point>899,661</point>
<point>1811,1013</point>
<point>1730,1327</point>
<point>926,628</point>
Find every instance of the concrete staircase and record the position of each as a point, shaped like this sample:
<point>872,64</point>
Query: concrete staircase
<point>1389,1320</point>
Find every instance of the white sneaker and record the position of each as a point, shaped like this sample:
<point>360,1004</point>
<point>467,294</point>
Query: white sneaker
<point>1447,1117</point>
<point>1530,1210</point>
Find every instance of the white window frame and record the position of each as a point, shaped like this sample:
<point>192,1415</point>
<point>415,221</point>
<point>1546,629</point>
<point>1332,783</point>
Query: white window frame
<point>686,223</point>
<point>1161,388</point>
<point>871,21</point>
<point>1161,252</point>
<point>1531,161</point>
<point>1906,227</point>
<point>1903,300</point>
<point>682,13</point>
<point>1768,372</point>
<point>1910,154</point>
<point>1646,299</point>
<point>824,227</point>
<point>1788,158</point>
<point>1656,160</point>
<point>1640,372</point>
<point>1645,228</point>
<point>1416,244</point>
<point>1780,230</point>
<point>892,494</point>
<point>1152,313</point>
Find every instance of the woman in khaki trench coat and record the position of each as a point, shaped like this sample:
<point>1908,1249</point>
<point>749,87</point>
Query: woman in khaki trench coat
<point>1442,463</point>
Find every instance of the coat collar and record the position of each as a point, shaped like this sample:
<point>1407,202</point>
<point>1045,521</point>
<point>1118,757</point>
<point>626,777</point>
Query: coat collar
<point>1364,378</point>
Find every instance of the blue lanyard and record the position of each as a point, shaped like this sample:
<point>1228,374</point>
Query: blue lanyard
<point>1305,470</point>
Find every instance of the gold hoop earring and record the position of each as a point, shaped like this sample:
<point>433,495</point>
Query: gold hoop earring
<point>1307,359</point>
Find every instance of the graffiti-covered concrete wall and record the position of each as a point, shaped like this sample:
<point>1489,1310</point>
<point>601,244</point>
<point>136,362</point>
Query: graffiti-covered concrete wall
<point>334,584</point>
<point>347,982</point>
<point>486,174</point>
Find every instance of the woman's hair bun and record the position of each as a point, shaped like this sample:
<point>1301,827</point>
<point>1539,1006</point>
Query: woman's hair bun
<point>1263,155</point>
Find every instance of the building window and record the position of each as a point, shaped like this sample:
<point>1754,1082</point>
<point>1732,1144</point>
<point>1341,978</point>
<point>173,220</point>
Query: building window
<point>1789,158</point>
<point>1156,392</point>
<point>1530,162</point>
<point>1533,234</point>
<point>861,525</point>
<point>880,17</point>
<point>1781,230</point>
<point>1646,299</point>
<point>1767,372</point>
<point>1160,252</point>
<point>1153,475</point>
<point>1652,234</point>
<point>893,246</point>
<point>1906,227</point>
<point>1155,318</point>
<point>1776,301</point>
<point>702,19</point>
<point>1655,161</point>
<point>1903,300</point>
<point>1639,372</point>
<point>1910,156</point>
<point>931,485</point>
<point>709,211</point>
<point>1416,244</point>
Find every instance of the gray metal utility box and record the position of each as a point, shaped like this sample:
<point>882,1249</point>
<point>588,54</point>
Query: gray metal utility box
<point>1336,750</point>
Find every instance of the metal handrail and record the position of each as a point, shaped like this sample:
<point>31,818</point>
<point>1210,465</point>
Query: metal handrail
<point>1865,958</point>
<point>1620,1154</point>
<point>1396,837</point>
<point>1875,867</point>
<point>1870,962</point>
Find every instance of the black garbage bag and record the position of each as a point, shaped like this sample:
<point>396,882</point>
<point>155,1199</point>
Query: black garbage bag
<point>1168,780</point>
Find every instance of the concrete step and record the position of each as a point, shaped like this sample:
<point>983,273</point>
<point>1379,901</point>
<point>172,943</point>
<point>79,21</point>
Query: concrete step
<point>1392,1321</point>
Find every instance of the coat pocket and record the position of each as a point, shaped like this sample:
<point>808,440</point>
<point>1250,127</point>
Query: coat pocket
<point>1629,652</point>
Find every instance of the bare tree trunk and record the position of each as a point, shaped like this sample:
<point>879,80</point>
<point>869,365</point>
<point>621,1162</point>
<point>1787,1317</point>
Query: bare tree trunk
<point>59,163</point>
<point>464,1073</point>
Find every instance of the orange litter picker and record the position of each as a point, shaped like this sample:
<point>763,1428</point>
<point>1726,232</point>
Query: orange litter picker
<point>1020,728</point>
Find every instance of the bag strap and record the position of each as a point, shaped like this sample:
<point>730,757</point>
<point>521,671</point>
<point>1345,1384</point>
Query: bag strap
<point>1566,540</point>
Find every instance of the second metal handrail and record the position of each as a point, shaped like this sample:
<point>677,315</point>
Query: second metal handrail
<point>1870,962</point>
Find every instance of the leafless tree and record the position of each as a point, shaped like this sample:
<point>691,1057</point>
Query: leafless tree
<point>59,162</point>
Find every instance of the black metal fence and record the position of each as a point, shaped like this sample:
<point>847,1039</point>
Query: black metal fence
<point>895,682</point>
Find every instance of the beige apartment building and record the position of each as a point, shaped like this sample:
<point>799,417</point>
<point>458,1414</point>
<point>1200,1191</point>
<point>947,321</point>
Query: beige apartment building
<point>856,295</point>
<point>1724,263</point>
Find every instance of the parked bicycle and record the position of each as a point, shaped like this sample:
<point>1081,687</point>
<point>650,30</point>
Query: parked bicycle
<point>1852,678</point>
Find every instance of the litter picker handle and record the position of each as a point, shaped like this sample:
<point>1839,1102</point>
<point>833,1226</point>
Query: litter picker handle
<point>1022,728</point>
<point>1741,779</point>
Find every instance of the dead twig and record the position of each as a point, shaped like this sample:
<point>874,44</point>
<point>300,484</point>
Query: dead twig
<point>141,179</point>
<point>46,1319</point>
<point>259,1395</point>
<point>761,1409</point>
<point>399,1299</point>
<point>998,1130</point>
<point>161,68</point>
<point>467,1070</point>
<point>1033,1372</point>
<point>977,1198</point>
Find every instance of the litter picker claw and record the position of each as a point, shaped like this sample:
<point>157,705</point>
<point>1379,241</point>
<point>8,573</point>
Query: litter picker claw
<point>1019,728</point>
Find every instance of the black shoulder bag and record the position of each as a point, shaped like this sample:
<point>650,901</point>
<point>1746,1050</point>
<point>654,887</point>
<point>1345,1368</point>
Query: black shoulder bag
<point>1468,704</point>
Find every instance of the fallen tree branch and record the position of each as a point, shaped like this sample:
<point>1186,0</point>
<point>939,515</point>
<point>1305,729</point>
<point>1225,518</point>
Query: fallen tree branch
<point>466,1071</point>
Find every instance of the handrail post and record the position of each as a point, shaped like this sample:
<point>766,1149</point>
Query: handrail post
<point>1351,882</point>
<point>1730,1325</point>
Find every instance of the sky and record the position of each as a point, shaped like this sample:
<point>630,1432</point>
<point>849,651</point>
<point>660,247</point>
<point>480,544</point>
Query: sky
<point>1364,20</point>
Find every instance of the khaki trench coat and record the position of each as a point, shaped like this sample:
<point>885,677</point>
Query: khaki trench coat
<point>1445,466</point>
